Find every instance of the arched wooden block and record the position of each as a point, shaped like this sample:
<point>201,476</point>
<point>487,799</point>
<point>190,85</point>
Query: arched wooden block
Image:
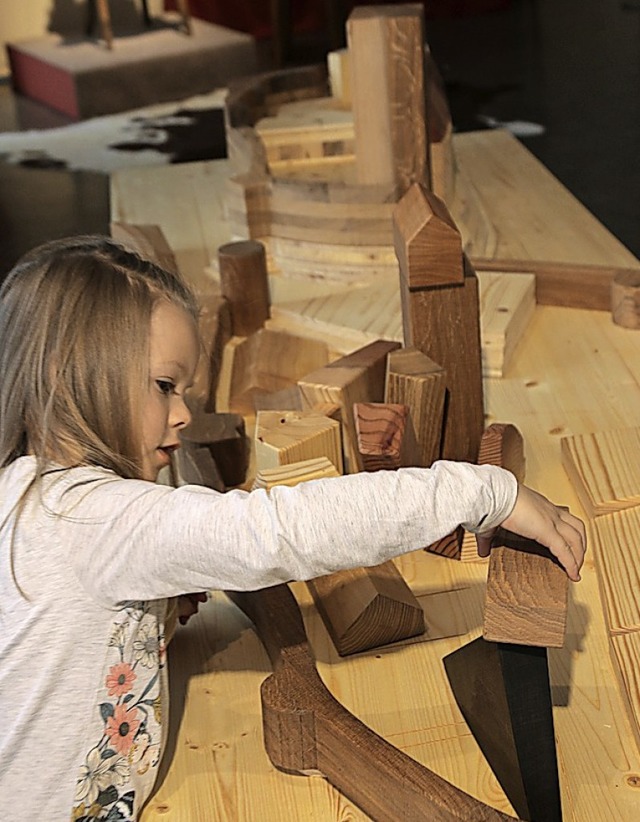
<point>307,731</point>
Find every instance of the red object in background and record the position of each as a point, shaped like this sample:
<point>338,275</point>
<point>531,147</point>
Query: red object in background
<point>254,16</point>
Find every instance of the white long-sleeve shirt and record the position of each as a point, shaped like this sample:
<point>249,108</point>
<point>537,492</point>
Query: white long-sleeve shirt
<point>86,568</point>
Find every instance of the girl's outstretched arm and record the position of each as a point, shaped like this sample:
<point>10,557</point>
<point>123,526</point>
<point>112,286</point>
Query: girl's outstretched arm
<point>535,517</point>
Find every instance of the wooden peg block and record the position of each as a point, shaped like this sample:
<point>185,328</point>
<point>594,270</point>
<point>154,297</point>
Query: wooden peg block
<point>283,437</point>
<point>245,284</point>
<point>526,596</point>
<point>416,381</point>
<point>625,299</point>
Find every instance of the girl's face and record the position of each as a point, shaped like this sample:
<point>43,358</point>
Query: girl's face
<point>173,357</point>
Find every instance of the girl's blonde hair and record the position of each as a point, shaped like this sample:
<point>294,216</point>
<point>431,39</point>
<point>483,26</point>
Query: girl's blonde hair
<point>75,320</point>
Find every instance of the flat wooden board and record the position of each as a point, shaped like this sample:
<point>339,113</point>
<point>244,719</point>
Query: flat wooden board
<point>604,468</point>
<point>616,546</point>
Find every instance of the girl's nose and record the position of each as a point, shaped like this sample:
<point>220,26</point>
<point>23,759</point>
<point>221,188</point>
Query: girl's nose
<point>180,416</point>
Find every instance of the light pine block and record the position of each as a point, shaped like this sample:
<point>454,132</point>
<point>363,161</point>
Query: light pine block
<point>283,437</point>
<point>625,652</point>
<point>507,303</point>
<point>615,541</point>
<point>604,468</point>
<point>294,473</point>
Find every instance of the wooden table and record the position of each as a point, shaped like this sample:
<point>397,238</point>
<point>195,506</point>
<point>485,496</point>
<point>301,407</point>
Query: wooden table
<point>573,372</point>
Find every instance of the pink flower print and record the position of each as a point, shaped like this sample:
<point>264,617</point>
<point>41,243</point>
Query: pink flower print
<point>120,679</point>
<point>121,728</point>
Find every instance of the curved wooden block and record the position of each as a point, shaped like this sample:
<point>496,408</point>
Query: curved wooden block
<point>308,731</point>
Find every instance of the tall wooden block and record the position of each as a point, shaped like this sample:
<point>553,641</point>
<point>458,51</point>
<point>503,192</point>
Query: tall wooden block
<point>386,48</point>
<point>441,316</point>
<point>413,379</point>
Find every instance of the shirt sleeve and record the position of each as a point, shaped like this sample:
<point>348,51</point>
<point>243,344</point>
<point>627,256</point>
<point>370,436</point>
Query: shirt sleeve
<point>130,540</point>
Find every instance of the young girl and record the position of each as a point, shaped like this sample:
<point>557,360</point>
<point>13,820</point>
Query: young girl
<point>98,349</point>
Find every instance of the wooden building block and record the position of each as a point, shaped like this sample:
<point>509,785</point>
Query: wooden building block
<point>502,445</point>
<point>356,377</point>
<point>526,596</point>
<point>563,283</point>
<point>443,323</point>
<point>268,361</point>
<point>386,439</point>
<point>507,303</point>
<point>223,435</point>
<point>386,46</point>
<point>365,608</point>
<point>245,285</point>
<point>294,473</point>
<point>283,437</point>
<point>604,469</point>
<point>413,379</point>
<point>339,69</point>
<point>427,242</point>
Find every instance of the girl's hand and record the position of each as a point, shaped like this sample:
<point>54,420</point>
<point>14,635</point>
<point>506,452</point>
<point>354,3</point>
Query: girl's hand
<point>535,517</point>
<point>188,605</point>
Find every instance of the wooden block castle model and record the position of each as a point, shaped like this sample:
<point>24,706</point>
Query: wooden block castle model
<point>349,176</point>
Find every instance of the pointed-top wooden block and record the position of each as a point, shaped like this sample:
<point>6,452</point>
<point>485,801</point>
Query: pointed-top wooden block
<point>427,243</point>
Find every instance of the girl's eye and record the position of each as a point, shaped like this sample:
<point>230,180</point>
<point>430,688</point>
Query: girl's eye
<point>165,386</point>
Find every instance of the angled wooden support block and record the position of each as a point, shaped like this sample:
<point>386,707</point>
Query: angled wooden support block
<point>357,377</point>
<point>386,47</point>
<point>443,320</point>
<point>414,380</point>
<point>306,731</point>
<point>501,680</point>
<point>283,437</point>
<point>245,284</point>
